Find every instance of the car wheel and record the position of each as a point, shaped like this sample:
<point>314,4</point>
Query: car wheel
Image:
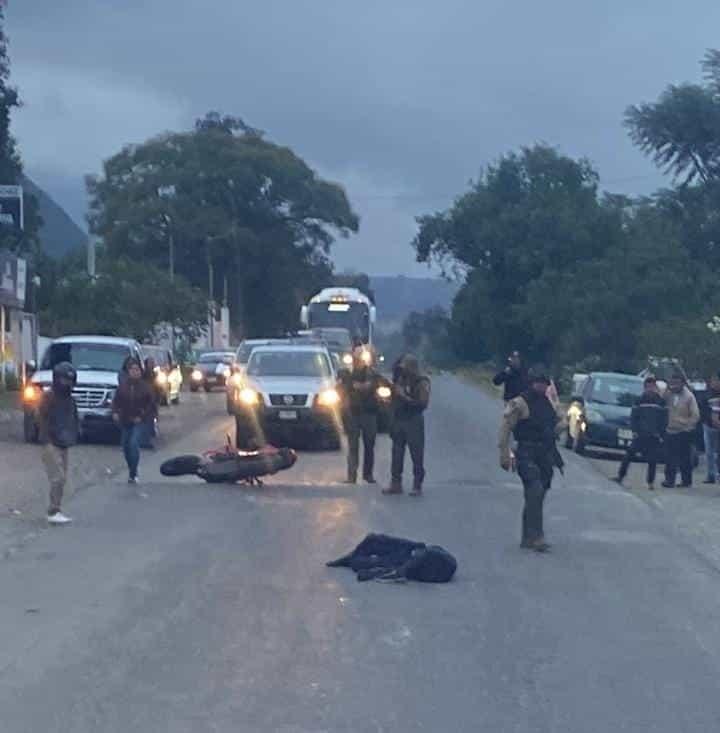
<point>194,388</point>
<point>30,429</point>
<point>207,388</point>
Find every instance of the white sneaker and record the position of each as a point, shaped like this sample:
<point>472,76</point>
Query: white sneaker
<point>133,481</point>
<point>58,518</point>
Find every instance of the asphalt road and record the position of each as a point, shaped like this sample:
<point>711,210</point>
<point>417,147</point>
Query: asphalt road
<point>205,608</point>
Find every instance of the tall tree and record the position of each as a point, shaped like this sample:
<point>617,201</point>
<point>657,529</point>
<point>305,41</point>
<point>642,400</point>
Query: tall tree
<point>242,211</point>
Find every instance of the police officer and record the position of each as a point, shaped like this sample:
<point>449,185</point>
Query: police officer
<point>411,396</point>
<point>532,419</point>
<point>359,386</point>
<point>513,377</point>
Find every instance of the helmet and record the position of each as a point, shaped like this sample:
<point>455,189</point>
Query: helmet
<point>65,370</point>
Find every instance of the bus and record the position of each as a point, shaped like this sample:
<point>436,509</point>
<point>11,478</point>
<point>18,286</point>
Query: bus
<point>341,308</point>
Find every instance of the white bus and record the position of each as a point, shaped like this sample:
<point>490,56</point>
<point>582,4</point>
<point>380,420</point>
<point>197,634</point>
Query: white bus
<point>341,308</point>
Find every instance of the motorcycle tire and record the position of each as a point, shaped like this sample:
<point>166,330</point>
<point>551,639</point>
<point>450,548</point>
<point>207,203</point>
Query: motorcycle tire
<point>181,466</point>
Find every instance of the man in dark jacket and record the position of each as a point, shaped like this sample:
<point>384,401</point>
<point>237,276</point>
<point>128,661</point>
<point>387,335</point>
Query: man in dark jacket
<point>533,421</point>
<point>514,377</point>
<point>132,404</point>
<point>359,387</point>
<point>58,430</point>
<point>710,416</point>
<point>648,421</point>
<point>411,396</point>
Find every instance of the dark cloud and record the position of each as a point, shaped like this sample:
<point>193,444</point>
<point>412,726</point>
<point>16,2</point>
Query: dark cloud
<point>403,101</point>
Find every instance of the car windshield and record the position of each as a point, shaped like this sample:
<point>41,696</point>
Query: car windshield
<point>160,356</point>
<point>87,356</point>
<point>616,391</point>
<point>216,359</point>
<point>289,364</point>
<point>244,352</point>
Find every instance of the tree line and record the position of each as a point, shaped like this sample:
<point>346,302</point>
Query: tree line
<point>581,278</point>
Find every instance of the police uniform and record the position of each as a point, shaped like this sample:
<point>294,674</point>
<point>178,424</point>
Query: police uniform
<point>533,421</point>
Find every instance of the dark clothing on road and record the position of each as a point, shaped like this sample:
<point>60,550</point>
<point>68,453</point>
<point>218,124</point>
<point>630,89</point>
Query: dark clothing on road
<point>134,402</point>
<point>515,381</point>
<point>678,457</point>
<point>58,421</point>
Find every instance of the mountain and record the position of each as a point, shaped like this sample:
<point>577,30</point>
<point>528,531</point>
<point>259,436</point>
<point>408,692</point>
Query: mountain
<point>398,296</point>
<point>59,234</point>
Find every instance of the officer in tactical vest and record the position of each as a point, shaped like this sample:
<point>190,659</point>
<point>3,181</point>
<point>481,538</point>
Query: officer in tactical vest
<point>533,421</point>
<point>411,396</point>
<point>359,387</point>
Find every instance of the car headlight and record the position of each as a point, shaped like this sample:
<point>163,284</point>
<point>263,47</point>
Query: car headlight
<point>31,393</point>
<point>384,393</point>
<point>593,416</point>
<point>347,359</point>
<point>226,372</point>
<point>236,380</point>
<point>196,375</point>
<point>328,398</point>
<point>366,357</point>
<point>249,397</point>
<point>161,378</point>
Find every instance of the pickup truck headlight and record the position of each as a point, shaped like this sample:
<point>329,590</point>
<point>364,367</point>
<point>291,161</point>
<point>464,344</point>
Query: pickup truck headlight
<point>236,380</point>
<point>196,375</point>
<point>249,397</point>
<point>384,392</point>
<point>328,398</point>
<point>161,378</point>
<point>31,394</point>
<point>347,359</point>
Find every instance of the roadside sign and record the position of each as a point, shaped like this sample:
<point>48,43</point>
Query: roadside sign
<point>13,280</point>
<point>11,207</point>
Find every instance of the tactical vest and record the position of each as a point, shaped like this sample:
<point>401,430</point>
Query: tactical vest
<point>540,425</point>
<point>403,411</point>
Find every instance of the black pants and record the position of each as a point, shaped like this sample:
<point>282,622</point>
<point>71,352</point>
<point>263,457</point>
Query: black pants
<point>678,457</point>
<point>535,468</point>
<point>362,425</point>
<point>408,432</point>
<point>648,446</point>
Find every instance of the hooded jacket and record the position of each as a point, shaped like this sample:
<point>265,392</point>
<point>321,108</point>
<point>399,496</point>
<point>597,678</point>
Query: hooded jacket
<point>683,411</point>
<point>134,401</point>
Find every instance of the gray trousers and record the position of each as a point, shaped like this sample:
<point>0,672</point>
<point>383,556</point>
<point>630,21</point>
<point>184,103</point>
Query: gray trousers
<point>55,461</point>
<point>408,433</point>
<point>363,425</point>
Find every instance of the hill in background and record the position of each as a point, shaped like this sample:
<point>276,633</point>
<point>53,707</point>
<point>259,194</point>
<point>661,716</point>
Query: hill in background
<point>59,234</point>
<point>398,296</point>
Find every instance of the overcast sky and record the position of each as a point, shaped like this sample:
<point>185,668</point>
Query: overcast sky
<point>401,101</point>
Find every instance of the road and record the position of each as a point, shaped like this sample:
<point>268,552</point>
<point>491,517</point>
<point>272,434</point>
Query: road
<point>205,608</point>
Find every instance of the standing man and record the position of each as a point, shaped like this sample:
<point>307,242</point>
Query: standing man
<point>648,421</point>
<point>131,406</point>
<point>59,426</point>
<point>532,419</point>
<point>360,413</point>
<point>710,415</point>
<point>411,396</point>
<point>514,377</point>
<point>683,417</point>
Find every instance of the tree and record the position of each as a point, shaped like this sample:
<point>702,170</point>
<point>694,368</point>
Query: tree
<point>532,213</point>
<point>427,334</point>
<point>244,211</point>
<point>126,299</point>
<point>681,131</point>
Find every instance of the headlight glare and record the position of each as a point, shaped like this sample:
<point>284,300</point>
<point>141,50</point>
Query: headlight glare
<point>384,392</point>
<point>161,378</point>
<point>236,380</point>
<point>196,375</point>
<point>347,359</point>
<point>328,398</point>
<point>31,393</point>
<point>249,397</point>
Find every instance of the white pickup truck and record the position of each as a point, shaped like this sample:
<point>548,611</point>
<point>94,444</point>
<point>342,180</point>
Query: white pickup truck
<point>98,360</point>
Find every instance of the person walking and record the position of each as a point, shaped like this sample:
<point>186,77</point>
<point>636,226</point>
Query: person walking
<point>359,387</point>
<point>683,417</point>
<point>710,416</point>
<point>513,377</point>
<point>649,420</point>
<point>131,406</point>
<point>534,423</point>
<point>411,397</point>
<point>59,427</point>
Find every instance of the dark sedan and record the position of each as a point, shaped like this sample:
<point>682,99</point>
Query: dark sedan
<point>212,370</point>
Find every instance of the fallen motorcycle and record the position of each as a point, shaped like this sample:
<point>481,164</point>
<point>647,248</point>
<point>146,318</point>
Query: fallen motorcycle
<point>228,465</point>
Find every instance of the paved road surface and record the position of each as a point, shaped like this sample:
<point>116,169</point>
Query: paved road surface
<point>206,609</point>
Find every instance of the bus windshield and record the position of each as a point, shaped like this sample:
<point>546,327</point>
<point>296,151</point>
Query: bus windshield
<point>355,317</point>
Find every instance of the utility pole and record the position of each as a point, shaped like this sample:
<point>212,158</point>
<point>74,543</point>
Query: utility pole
<point>211,295</point>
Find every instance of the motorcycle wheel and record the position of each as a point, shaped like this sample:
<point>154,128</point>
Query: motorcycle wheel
<point>180,466</point>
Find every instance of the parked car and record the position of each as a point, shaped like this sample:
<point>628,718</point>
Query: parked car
<point>98,360</point>
<point>289,397</point>
<point>599,415</point>
<point>168,374</point>
<point>211,370</point>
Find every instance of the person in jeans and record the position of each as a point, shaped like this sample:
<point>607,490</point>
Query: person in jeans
<point>411,396</point>
<point>58,431</point>
<point>683,417</point>
<point>133,402</point>
<point>648,420</point>
<point>710,416</point>
<point>359,387</point>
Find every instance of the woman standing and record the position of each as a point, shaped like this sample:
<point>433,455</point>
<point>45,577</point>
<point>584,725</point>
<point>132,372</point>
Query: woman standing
<point>132,404</point>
